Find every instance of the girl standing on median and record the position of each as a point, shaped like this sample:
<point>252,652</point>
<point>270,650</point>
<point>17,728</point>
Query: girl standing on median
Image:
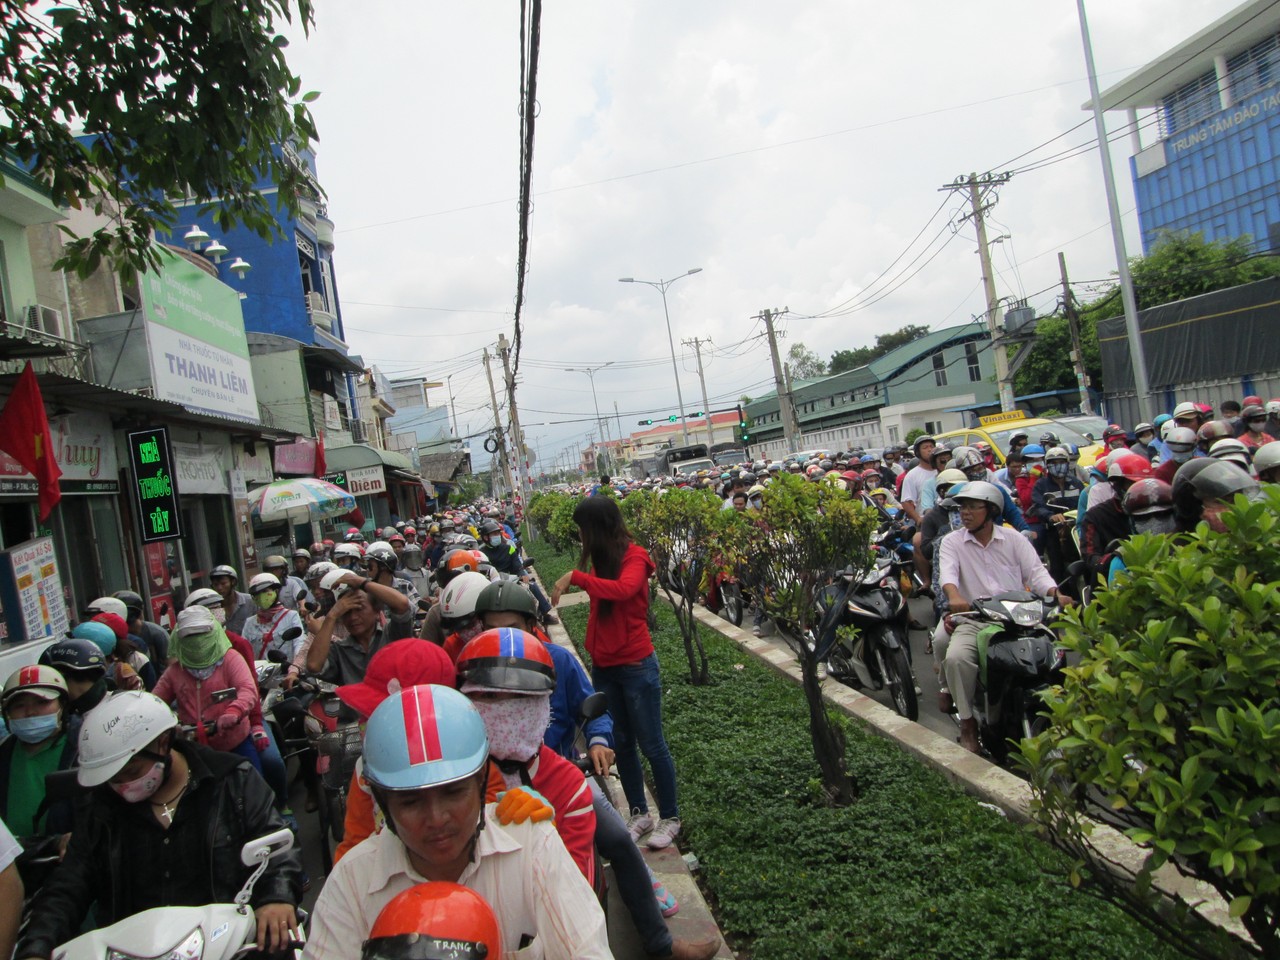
<point>623,664</point>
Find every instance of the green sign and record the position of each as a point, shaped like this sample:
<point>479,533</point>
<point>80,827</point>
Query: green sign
<point>337,479</point>
<point>155,488</point>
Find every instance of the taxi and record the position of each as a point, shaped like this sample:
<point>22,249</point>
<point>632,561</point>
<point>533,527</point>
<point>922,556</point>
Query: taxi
<point>997,428</point>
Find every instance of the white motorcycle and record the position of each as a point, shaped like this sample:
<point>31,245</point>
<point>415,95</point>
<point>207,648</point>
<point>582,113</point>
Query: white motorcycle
<point>218,931</point>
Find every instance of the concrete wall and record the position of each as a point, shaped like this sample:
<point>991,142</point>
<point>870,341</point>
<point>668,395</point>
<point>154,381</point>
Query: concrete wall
<point>281,383</point>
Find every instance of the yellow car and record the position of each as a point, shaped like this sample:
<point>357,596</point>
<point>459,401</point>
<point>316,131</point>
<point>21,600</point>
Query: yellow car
<point>997,428</point>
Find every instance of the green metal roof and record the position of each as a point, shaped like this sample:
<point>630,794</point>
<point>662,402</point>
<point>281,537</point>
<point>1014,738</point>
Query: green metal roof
<point>886,367</point>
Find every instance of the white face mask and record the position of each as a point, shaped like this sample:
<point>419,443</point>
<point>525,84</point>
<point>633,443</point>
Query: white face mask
<point>515,726</point>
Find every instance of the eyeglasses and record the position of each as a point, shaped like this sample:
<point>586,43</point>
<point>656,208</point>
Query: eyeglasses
<point>972,506</point>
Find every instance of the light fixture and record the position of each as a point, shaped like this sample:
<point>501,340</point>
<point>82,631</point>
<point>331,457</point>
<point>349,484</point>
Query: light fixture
<point>215,251</point>
<point>194,237</point>
<point>239,266</point>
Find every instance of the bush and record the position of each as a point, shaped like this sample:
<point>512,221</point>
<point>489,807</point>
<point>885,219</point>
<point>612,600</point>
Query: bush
<point>562,532</point>
<point>541,507</point>
<point>1170,723</point>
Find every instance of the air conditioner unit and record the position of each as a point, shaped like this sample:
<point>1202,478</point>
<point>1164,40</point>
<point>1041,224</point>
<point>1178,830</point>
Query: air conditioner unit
<point>315,302</point>
<point>360,431</point>
<point>41,319</point>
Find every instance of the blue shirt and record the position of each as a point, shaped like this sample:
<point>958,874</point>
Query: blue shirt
<point>572,687</point>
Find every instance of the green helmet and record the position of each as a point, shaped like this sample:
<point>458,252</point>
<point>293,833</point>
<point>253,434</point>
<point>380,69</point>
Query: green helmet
<point>507,596</point>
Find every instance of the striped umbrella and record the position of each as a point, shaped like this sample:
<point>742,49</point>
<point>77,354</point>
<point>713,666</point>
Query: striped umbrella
<point>299,500</point>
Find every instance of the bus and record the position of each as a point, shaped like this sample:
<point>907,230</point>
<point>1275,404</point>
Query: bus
<point>685,460</point>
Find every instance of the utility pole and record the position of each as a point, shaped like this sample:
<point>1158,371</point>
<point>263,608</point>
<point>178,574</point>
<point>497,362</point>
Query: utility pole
<point>497,424</point>
<point>789,427</point>
<point>517,436</point>
<point>696,343</point>
<point>1073,323</point>
<point>977,188</point>
<point>453,410</point>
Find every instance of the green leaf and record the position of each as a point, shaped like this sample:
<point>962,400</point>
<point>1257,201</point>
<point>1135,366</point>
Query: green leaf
<point>1240,906</point>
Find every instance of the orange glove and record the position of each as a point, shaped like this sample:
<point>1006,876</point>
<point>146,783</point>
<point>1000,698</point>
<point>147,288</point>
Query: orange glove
<point>523,803</point>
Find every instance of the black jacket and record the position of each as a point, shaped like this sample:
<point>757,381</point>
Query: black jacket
<point>234,805</point>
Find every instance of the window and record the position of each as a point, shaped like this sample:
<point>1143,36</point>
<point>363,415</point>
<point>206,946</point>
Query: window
<point>1190,104</point>
<point>933,426</point>
<point>1251,70</point>
<point>939,370</point>
<point>893,434</point>
<point>971,358</point>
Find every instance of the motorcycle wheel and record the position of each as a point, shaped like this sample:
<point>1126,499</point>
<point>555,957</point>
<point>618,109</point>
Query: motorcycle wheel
<point>731,595</point>
<point>897,675</point>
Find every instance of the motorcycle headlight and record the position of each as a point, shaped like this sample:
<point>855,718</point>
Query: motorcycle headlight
<point>1027,614</point>
<point>192,948</point>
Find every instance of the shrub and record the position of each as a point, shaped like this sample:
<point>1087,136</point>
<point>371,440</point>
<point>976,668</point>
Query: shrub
<point>562,532</point>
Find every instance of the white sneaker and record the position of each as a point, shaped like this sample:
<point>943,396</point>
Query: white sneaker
<point>664,833</point>
<point>638,824</point>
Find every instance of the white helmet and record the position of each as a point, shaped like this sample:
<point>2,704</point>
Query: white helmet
<point>1272,406</point>
<point>117,729</point>
<point>459,597</point>
<point>330,579</point>
<point>1168,427</point>
<point>1181,439</point>
<point>1186,409</point>
<point>317,570</point>
<point>110,605</point>
<point>347,550</point>
<point>984,491</point>
<point>264,581</point>
<point>1231,449</point>
<point>204,597</point>
<point>1266,457</point>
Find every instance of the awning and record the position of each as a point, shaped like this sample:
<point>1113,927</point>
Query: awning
<point>357,455</point>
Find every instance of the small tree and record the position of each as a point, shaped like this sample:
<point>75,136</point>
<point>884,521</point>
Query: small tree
<point>1169,727</point>
<point>679,531</point>
<point>804,363</point>
<point>804,534</point>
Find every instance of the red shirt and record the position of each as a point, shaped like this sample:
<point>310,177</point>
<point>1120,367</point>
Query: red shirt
<point>242,646</point>
<point>622,635</point>
<point>566,790</point>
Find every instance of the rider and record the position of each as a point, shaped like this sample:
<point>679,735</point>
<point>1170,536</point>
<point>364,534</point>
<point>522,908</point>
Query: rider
<point>34,703</point>
<point>159,800</point>
<point>293,589</point>
<point>84,668</point>
<point>982,560</point>
<point>1059,481</point>
<point>238,606</point>
<point>153,635</point>
<point>1106,523</point>
<point>505,557</point>
<point>266,629</point>
<point>1181,443</point>
<point>459,620</point>
<point>381,563</point>
<point>345,660</point>
<point>913,480</point>
<point>1267,463</point>
<point>1254,426</point>
<point>426,758</point>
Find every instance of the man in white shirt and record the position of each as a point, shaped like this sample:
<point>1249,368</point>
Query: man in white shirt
<point>913,483</point>
<point>980,560</point>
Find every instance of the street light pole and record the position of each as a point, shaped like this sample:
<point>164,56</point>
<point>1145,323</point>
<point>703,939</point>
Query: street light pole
<point>661,287</point>
<point>591,375</point>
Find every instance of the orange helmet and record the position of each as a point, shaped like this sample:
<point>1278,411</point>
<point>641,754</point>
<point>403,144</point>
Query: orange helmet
<point>434,921</point>
<point>460,560</point>
<point>506,659</point>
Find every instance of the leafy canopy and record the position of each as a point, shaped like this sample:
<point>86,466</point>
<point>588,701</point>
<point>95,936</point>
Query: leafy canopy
<point>843,360</point>
<point>171,97</point>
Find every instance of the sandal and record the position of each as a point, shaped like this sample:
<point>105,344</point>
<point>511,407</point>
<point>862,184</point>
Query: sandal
<point>666,902</point>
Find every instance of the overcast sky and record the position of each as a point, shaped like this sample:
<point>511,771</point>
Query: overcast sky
<point>792,151</point>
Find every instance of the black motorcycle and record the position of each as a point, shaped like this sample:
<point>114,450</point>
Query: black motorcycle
<point>862,630</point>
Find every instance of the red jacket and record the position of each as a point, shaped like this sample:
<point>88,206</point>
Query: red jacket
<point>621,636</point>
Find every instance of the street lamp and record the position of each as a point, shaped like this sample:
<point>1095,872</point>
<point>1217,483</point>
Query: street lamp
<point>591,374</point>
<point>661,287</point>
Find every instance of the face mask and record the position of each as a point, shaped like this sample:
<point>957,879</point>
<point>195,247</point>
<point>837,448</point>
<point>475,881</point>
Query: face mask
<point>1257,425</point>
<point>1059,469</point>
<point>202,673</point>
<point>496,540</point>
<point>1146,438</point>
<point>135,791</point>
<point>471,631</point>
<point>266,599</point>
<point>35,729</point>
<point>757,502</point>
<point>515,727</point>
<point>218,614</point>
<point>1179,456</point>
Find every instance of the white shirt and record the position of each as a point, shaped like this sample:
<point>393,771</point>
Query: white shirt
<point>1007,562</point>
<point>913,483</point>
<point>9,847</point>
<point>522,870</point>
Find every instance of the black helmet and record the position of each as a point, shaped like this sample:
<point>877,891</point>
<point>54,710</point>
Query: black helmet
<point>923,438</point>
<point>490,527</point>
<point>1186,502</point>
<point>507,596</point>
<point>132,601</point>
<point>76,656</point>
<point>1049,439</point>
<point>383,553</point>
<point>1222,480</point>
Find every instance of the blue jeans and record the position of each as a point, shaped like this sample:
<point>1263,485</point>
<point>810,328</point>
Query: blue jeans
<point>634,693</point>
<point>273,770</point>
<point>246,749</point>
<point>635,882</point>
<point>544,605</point>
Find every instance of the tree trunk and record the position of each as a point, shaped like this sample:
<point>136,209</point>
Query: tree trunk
<point>828,741</point>
<point>699,672</point>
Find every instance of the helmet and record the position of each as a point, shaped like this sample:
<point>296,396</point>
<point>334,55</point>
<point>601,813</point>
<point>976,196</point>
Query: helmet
<point>223,570</point>
<point>437,919</point>
<point>132,601</point>
<point>507,596</point>
<point>1272,406</point>
<point>353,535</point>
<point>1049,439</point>
<point>384,554</point>
<point>388,533</point>
<point>1112,430</point>
<point>264,581</point>
<point>1186,503</point>
<point>116,729</point>
<point>109,605</point>
<point>1019,435</point>
<point>1186,409</point>
<point>949,478</point>
<point>204,597</point>
<point>1222,481</point>
<point>425,736</point>
<point>99,634</point>
<point>76,656</point>
<point>1266,457</point>
<point>410,530</point>
<point>847,475</point>
<point>941,450</point>
<point>459,560</point>
<point>1033,451</point>
<point>747,477</point>
<point>1128,466</point>
<point>923,438</point>
<point>112,622</point>
<point>1181,439</point>
<point>988,493</point>
<point>1142,428</point>
<point>888,452</point>
<point>962,458</point>
<point>870,473</point>
<point>1252,410</point>
<point>825,464</point>
<point>459,597</point>
<point>348,550</point>
<point>446,525</point>
<point>330,580</point>
<point>394,667</point>
<point>396,538</point>
<point>318,570</point>
<point>1148,496</point>
<point>43,681</point>
<point>275,562</point>
<point>490,527</point>
<point>1231,449</point>
<point>506,659</point>
<point>1215,430</point>
<point>1058,454</point>
<point>301,554</point>
<point>756,488</point>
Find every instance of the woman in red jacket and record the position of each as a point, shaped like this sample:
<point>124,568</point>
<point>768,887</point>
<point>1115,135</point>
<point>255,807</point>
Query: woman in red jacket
<point>623,665</point>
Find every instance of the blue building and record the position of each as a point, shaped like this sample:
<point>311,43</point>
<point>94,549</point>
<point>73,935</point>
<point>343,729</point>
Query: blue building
<point>1212,104</point>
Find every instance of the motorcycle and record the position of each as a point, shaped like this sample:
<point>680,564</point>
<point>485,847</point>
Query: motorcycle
<point>875,653</point>
<point>1018,658</point>
<point>217,931</point>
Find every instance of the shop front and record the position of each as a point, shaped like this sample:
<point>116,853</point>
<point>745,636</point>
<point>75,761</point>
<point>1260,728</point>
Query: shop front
<point>382,481</point>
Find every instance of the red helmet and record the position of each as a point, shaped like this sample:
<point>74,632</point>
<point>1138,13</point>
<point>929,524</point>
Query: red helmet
<point>1148,495</point>
<point>1112,430</point>
<point>432,920</point>
<point>395,537</point>
<point>870,472</point>
<point>410,531</point>
<point>1255,401</point>
<point>855,475</point>
<point>506,659</point>
<point>396,667</point>
<point>1215,430</point>
<point>1130,466</point>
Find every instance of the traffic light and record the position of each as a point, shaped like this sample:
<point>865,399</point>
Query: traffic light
<point>646,423</point>
<point>744,427</point>
<point>690,416</point>
<point>673,419</point>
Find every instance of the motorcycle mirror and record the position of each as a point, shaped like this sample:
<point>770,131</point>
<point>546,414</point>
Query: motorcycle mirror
<point>593,707</point>
<point>424,604</point>
<point>264,848</point>
<point>332,708</point>
<point>293,633</point>
<point>276,656</point>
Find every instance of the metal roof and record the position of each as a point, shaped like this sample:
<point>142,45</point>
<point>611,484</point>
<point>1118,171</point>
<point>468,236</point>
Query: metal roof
<point>353,456</point>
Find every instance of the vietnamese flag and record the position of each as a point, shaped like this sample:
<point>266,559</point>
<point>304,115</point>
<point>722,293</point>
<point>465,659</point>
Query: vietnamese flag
<point>321,468</point>
<point>24,435</point>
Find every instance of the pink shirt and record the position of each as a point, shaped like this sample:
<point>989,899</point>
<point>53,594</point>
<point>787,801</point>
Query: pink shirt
<point>1007,562</point>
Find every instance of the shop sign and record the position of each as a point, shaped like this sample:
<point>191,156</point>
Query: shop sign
<point>366,480</point>
<point>332,413</point>
<point>1010,416</point>
<point>84,448</point>
<point>154,487</point>
<point>195,335</point>
<point>337,479</point>
<point>31,591</point>
<point>298,458</point>
<point>255,466</point>
<point>201,468</point>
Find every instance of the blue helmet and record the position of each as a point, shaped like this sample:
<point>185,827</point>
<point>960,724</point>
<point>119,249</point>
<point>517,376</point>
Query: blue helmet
<point>1032,450</point>
<point>99,633</point>
<point>869,458</point>
<point>424,736</point>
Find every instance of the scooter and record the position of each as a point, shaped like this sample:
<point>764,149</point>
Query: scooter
<point>877,655</point>
<point>218,931</point>
<point>1018,658</point>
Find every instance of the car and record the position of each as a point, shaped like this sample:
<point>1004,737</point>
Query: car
<point>997,428</point>
<point>1091,427</point>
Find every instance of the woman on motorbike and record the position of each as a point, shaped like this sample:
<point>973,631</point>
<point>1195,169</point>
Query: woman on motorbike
<point>267,628</point>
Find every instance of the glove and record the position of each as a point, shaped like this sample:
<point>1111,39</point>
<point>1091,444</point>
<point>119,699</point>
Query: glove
<point>1029,534</point>
<point>228,721</point>
<point>523,803</point>
<point>261,741</point>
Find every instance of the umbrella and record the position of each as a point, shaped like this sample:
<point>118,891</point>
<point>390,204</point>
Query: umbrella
<point>299,500</point>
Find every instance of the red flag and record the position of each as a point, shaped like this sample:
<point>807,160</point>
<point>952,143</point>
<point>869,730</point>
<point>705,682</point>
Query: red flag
<point>321,467</point>
<point>24,435</point>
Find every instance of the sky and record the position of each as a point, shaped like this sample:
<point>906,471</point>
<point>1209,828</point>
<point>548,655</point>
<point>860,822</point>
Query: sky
<point>792,152</point>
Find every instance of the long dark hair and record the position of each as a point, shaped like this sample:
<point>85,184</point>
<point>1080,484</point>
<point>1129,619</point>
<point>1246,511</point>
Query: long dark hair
<point>605,537</point>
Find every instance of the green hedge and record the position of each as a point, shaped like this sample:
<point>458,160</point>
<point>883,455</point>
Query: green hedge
<point>914,868</point>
